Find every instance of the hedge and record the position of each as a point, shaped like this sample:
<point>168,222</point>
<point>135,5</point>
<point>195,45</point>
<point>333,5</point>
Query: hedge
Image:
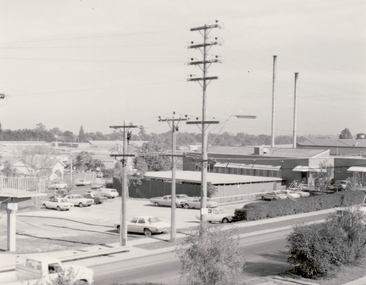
<point>258,211</point>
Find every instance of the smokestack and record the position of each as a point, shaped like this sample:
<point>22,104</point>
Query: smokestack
<point>295,113</point>
<point>273,101</point>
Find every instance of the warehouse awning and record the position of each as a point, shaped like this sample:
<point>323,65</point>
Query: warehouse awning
<point>301,168</point>
<point>220,164</point>
<point>357,169</point>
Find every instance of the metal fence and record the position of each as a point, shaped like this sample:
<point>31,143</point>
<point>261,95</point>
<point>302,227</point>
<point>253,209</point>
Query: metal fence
<point>31,184</point>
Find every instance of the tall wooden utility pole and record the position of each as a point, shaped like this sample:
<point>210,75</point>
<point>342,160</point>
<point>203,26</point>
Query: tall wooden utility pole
<point>204,65</point>
<point>173,123</point>
<point>124,155</point>
<point>295,111</point>
<point>273,102</point>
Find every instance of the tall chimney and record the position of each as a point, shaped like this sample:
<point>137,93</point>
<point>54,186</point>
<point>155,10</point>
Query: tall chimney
<point>273,101</point>
<point>295,112</point>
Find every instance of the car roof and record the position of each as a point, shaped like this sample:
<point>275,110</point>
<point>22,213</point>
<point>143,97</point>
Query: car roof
<point>146,217</point>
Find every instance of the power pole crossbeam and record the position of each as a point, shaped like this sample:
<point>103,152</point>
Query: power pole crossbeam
<point>123,222</point>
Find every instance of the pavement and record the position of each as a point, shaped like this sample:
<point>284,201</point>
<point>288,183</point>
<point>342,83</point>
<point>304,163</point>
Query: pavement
<point>157,245</point>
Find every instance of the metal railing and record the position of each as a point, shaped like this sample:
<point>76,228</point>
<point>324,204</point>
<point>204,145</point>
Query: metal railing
<point>29,184</point>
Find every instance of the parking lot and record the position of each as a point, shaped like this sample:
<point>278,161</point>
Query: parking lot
<point>49,230</point>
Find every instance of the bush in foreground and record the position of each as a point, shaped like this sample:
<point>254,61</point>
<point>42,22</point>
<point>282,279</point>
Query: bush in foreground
<point>318,249</point>
<point>211,256</point>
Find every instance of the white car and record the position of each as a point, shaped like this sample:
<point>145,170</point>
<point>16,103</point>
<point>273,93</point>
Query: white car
<point>290,194</point>
<point>217,215</point>
<point>196,203</point>
<point>57,186</point>
<point>147,225</point>
<point>301,193</point>
<point>57,203</point>
<point>83,183</point>
<point>109,192</point>
<point>167,200</point>
<point>79,200</point>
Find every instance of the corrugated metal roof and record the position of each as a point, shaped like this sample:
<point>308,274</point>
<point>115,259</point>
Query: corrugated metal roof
<point>214,178</point>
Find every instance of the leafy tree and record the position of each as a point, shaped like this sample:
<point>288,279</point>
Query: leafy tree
<point>211,190</point>
<point>346,134</point>
<point>82,137</point>
<point>323,177</point>
<point>83,160</point>
<point>361,136</point>
<point>212,256</point>
<point>68,137</point>
<point>149,158</point>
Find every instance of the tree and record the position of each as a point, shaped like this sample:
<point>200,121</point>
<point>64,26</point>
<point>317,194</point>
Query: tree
<point>346,134</point>
<point>212,256</point>
<point>361,136</point>
<point>68,137</point>
<point>149,158</point>
<point>323,177</point>
<point>82,137</point>
<point>8,170</point>
<point>83,160</point>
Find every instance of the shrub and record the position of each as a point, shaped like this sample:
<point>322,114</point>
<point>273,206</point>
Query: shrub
<point>317,249</point>
<point>258,211</point>
<point>211,256</point>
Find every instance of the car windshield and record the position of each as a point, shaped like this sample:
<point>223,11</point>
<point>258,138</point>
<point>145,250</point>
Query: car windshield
<point>183,196</point>
<point>153,220</point>
<point>63,200</point>
<point>78,196</point>
<point>113,190</point>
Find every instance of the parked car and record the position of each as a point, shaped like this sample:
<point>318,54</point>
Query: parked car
<point>217,215</point>
<point>98,199</point>
<point>83,183</point>
<point>343,184</point>
<point>301,193</point>
<point>57,203</point>
<point>196,203</point>
<point>290,194</point>
<point>167,200</point>
<point>79,200</point>
<point>57,186</point>
<point>109,192</point>
<point>147,225</point>
<point>273,196</point>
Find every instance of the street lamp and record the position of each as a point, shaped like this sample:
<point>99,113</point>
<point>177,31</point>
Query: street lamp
<point>238,117</point>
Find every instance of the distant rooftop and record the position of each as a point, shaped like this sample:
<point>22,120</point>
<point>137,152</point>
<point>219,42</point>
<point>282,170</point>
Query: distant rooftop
<point>334,142</point>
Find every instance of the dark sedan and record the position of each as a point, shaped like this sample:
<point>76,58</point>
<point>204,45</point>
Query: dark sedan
<point>98,199</point>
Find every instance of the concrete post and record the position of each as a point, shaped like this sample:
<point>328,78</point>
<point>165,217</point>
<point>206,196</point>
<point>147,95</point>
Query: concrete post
<point>11,209</point>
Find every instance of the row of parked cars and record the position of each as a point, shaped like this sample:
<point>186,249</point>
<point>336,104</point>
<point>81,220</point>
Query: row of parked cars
<point>182,201</point>
<point>284,194</point>
<point>60,185</point>
<point>96,195</point>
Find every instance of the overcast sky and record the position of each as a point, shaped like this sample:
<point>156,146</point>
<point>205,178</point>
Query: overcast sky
<point>99,63</point>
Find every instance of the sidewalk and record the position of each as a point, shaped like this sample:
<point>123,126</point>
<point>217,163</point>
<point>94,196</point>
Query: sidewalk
<point>138,248</point>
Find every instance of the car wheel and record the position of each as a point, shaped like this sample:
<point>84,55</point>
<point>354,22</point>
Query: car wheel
<point>156,204</point>
<point>44,205</point>
<point>147,232</point>
<point>225,220</point>
<point>81,205</point>
<point>95,202</point>
<point>58,208</point>
<point>186,206</point>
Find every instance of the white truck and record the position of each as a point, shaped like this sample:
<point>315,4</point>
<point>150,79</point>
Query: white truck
<point>40,270</point>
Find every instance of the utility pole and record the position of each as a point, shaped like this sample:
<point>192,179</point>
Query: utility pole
<point>173,124</point>
<point>124,155</point>
<point>273,101</point>
<point>204,65</point>
<point>295,111</point>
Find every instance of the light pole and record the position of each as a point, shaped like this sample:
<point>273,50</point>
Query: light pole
<point>224,123</point>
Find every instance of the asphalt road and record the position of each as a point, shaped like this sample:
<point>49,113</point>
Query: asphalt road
<point>265,255</point>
